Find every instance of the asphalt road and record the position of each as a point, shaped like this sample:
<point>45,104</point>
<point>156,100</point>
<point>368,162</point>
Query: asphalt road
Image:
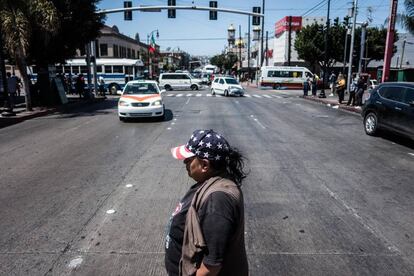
<point>85,194</point>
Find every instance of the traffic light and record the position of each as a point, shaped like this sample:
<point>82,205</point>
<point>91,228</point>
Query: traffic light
<point>213,14</point>
<point>171,12</point>
<point>127,14</point>
<point>256,19</point>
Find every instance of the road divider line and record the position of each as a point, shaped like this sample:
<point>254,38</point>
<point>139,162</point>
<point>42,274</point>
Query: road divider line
<point>199,95</point>
<point>188,100</point>
<point>170,95</point>
<point>410,153</point>
<point>248,96</point>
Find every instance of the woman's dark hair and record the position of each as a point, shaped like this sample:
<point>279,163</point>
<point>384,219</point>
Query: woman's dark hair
<point>232,166</point>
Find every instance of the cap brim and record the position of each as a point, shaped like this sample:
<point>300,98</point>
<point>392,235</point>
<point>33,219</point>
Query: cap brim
<point>181,153</point>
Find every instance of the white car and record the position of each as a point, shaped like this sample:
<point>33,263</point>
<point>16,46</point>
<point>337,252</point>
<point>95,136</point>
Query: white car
<point>141,98</point>
<point>179,81</point>
<point>227,86</point>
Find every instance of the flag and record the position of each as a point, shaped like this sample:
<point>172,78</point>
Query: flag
<point>152,44</point>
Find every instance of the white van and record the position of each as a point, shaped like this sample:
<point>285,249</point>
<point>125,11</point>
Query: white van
<point>179,81</point>
<point>287,76</point>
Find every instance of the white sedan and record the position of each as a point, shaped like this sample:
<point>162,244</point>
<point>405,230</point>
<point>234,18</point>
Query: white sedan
<point>227,86</point>
<point>141,98</point>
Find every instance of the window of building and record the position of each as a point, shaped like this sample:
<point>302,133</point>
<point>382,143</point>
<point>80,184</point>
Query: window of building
<point>103,50</point>
<point>129,53</point>
<point>133,53</point>
<point>84,69</point>
<point>116,51</point>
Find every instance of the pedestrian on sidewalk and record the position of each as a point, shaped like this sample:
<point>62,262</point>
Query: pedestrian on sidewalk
<point>12,84</point>
<point>340,88</point>
<point>102,89</point>
<point>352,92</point>
<point>332,83</point>
<point>205,234</point>
<point>306,86</point>
<point>80,85</point>
<point>360,91</point>
<point>314,84</point>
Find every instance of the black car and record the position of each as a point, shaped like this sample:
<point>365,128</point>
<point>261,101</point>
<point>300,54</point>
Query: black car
<point>390,106</point>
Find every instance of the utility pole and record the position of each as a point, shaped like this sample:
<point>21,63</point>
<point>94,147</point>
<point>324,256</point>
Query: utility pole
<point>346,48</point>
<point>362,52</point>
<point>248,48</point>
<point>354,14</point>
<point>88,69</point>
<point>240,56</point>
<point>402,52</point>
<point>390,40</point>
<point>289,40</point>
<point>261,47</point>
<point>324,79</point>
<point>267,48</point>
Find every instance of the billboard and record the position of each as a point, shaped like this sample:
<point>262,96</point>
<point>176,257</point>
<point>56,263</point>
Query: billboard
<point>283,24</point>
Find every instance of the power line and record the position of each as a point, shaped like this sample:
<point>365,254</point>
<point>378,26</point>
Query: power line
<point>314,7</point>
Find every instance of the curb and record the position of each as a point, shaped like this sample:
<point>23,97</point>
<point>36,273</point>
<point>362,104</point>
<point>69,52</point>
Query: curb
<point>334,105</point>
<point>8,121</point>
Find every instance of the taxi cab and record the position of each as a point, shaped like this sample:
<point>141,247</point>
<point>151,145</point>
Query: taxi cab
<point>141,98</point>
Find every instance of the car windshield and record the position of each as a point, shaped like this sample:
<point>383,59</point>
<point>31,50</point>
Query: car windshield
<point>140,88</point>
<point>231,81</point>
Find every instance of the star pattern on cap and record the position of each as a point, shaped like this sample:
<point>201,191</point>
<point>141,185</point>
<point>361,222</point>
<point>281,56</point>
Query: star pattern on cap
<point>208,145</point>
<point>206,154</point>
<point>218,157</point>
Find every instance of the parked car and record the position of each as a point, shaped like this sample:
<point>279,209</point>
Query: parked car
<point>141,98</point>
<point>372,84</point>
<point>390,106</point>
<point>226,86</point>
<point>170,81</point>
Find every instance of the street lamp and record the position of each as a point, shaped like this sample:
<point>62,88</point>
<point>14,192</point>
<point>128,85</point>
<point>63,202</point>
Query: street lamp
<point>148,44</point>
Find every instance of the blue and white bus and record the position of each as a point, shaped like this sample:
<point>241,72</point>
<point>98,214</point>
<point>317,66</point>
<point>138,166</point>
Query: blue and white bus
<point>115,71</point>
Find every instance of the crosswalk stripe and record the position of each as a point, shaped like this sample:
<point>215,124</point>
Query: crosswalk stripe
<point>179,95</point>
<point>170,95</point>
<point>248,96</point>
<point>267,96</point>
<point>219,96</point>
<point>189,95</point>
<point>257,96</point>
<point>209,95</point>
<point>199,95</point>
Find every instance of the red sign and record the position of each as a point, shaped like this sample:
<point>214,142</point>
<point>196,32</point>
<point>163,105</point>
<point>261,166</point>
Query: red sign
<point>283,24</point>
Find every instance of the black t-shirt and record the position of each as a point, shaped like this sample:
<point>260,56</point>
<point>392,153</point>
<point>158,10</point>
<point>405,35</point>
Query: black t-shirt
<point>218,219</point>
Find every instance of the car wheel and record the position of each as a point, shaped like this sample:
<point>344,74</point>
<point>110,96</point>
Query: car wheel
<point>213,92</point>
<point>122,119</point>
<point>113,88</point>
<point>371,124</point>
<point>194,87</point>
<point>226,93</point>
<point>168,87</point>
<point>276,86</point>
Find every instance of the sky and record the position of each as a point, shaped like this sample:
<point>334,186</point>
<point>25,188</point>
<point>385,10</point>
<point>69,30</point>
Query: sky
<point>193,32</point>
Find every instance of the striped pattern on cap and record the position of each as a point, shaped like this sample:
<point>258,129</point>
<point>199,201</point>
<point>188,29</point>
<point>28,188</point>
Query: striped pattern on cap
<point>181,153</point>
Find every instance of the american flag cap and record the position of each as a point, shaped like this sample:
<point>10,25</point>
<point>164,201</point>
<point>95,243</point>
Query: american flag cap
<point>205,144</point>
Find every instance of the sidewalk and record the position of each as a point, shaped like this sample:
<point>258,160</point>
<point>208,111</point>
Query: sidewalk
<point>332,101</point>
<point>22,115</point>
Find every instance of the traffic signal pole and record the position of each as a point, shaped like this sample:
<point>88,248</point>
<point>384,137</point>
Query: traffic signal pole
<point>351,51</point>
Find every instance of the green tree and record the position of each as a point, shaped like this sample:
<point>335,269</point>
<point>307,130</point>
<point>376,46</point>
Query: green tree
<point>223,61</point>
<point>218,60</point>
<point>406,19</point>
<point>18,18</point>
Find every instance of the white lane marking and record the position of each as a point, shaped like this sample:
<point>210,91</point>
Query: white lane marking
<point>259,123</point>
<point>335,106</point>
<point>257,96</point>
<point>75,262</point>
<point>172,123</point>
<point>175,119</point>
<point>267,96</point>
<point>199,95</point>
<point>279,97</point>
<point>179,95</point>
<point>189,95</point>
<point>209,95</point>
<point>248,96</point>
<point>188,100</point>
<point>128,185</point>
<point>410,153</point>
<point>354,213</point>
<point>251,116</point>
<point>170,95</point>
<point>168,128</point>
<point>219,96</point>
<point>110,211</point>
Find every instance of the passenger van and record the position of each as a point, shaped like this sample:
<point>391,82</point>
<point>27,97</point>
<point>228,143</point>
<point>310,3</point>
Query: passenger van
<point>278,76</point>
<point>179,81</point>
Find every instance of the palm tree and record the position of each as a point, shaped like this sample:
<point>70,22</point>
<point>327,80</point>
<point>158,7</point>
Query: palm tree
<point>17,19</point>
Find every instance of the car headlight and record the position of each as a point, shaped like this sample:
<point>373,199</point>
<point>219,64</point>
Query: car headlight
<point>123,103</point>
<point>157,103</point>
